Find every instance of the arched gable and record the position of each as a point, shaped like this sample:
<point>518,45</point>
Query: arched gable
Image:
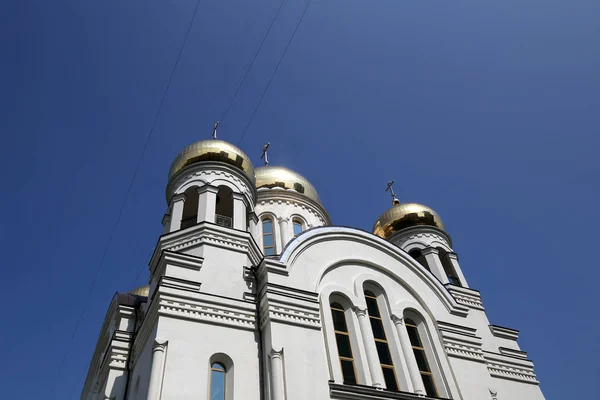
<point>319,252</point>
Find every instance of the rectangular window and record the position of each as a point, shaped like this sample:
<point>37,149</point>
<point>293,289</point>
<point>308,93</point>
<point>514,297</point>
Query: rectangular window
<point>268,238</point>
<point>297,228</point>
<point>342,338</point>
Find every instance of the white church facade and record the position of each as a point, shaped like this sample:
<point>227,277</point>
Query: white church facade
<point>254,295</point>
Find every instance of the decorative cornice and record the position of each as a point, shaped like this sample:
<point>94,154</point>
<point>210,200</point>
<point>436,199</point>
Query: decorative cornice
<point>362,392</point>
<point>175,259</point>
<point>289,306</point>
<point>461,341</point>
<point>209,234</point>
<point>504,333</point>
<point>203,307</point>
<point>500,366</point>
<point>292,198</point>
<point>465,296</point>
<point>420,232</point>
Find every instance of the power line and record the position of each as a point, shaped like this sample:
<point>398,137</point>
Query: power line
<point>133,178</point>
<point>253,58</point>
<point>274,72</point>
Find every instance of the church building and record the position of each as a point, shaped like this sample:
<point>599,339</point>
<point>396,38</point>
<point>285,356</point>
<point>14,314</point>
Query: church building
<point>255,295</point>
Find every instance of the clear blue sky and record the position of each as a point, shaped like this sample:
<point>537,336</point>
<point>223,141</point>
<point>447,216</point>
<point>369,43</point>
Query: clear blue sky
<point>487,111</point>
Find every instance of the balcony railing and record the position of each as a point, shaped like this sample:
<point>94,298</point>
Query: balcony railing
<point>189,221</point>
<point>222,220</point>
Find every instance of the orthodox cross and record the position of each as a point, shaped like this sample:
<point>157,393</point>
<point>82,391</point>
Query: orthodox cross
<point>264,154</point>
<point>390,188</point>
<point>215,130</point>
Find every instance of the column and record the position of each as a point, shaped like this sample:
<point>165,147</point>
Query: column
<point>177,202</point>
<point>453,257</point>
<point>370,349</point>
<point>409,355</point>
<point>435,264</point>
<point>277,389</point>
<point>239,211</point>
<point>207,203</point>
<point>284,228</point>
<point>158,368</point>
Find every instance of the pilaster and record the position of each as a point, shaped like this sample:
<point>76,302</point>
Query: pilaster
<point>435,265</point>
<point>177,203</point>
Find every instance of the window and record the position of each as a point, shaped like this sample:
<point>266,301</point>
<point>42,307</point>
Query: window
<point>342,338</point>
<point>217,381</point>
<point>383,348</point>
<point>448,267</point>
<point>423,364</point>
<point>224,207</point>
<point>190,208</point>
<point>417,255</point>
<point>297,227</point>
<point>268,237</point>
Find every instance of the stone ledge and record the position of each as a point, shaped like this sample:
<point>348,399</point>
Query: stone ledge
<point>362,392</point>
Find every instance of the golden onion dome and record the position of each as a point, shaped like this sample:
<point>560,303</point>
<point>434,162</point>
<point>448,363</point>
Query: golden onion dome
<point>402,216</point>
<point>213,150</point>
<point>143,291</point>
<point>273,177</point>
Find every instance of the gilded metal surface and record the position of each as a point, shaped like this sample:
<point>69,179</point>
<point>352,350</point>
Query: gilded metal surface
<point>213,150</point>
<point>402,216</point>
<point>141,291</point>
<point>269,177</point>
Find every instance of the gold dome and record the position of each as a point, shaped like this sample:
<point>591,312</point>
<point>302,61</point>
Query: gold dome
<point>143,291</point>
<point>270,177</point>
<point>402,216</point>
<point>213,150</point>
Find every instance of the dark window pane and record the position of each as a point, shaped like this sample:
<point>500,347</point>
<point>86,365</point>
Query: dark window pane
<point>377,326</point>
<point>454,280</point>
<point>269,251</point>
<point>343,343</point>
<point>413,334</point>
<point>217,385</point>
<point>384,353</point>
<point>267,226</point>
<point>409,321</point>
<point>339,321</point>
<point>429,385</point>
<point>337,305</point>
<point>268,240</point>
<point>372,306</point>
<point>369,293</point>
<point>390,379</point>
<point>348,371</point>
<point>422,360</point>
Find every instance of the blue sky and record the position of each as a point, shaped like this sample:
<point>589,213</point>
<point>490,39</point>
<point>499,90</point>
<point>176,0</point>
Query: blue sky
<point>485,111</point>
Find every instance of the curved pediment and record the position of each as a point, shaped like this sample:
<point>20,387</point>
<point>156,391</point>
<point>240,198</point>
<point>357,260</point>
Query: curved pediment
<point>327,255</point>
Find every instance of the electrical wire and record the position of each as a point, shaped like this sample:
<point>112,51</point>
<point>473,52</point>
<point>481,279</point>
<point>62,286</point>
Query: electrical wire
<point>287,46</point>
<point>253,58</point>
<point>131,183</point>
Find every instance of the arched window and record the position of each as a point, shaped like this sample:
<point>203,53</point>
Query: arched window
<point>342,338</point>
<point>448,267</point>
<point>224,207</point>
<point>268,237</point>
<point>190,208</point>
<point>218,375</point>
<point>421,356</point>
<point>297,226</point>
<point>417,255</point>
<point>381,342</point>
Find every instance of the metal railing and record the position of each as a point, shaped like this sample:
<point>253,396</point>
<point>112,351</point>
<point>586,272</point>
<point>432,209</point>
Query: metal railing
<point>222,220</point>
